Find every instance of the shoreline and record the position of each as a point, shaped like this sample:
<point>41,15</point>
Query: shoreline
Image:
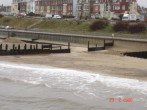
<point>107,62</point>
<point>67,61</point>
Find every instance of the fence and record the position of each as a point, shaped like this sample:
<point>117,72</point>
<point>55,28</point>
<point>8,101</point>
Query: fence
<point>80,39</point>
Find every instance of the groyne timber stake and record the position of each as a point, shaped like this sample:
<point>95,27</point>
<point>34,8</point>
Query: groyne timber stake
<point>25,47</point>
<point>31,47</point>
<point>13,46</point>
<point>68,45</point>
<point>104,45</point>
<point>36,46</point>
<point>6,47</point>
<point>1,47</point>
<point>42,47</point>
<point>88,44</point>
<point>19,47</point>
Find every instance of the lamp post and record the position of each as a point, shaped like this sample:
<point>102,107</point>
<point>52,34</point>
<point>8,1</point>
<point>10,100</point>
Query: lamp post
<point>81,15</point>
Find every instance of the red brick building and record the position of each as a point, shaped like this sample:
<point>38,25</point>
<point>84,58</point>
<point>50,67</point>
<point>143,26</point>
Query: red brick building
<point>22,6</point>
<point>120,6</point>
<point>100,5</point>
<point>60,7</point>
<point>116,6</point>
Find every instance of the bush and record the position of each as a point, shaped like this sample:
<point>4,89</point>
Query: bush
<point>1,15</point>
<point>121,16</point>
<point>120,26</point>
<point>99,24</point>
<point>31,14</point>
<point>67,16</point>
<point>135,28</point>
<point>97,18</point>
<point>38,15</point>
<point>114,18</point>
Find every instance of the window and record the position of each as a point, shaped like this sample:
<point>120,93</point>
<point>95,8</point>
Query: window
<point>127,0</point>
<point>79,7</point>
<point>96,7</point>
<point>116,7</point>
<point>123,7</point>
<point>80,1</point>
<point>114,1</point>
<point>86,7</point>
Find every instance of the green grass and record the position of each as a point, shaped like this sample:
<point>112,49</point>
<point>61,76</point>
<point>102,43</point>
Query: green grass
<point>17,22</point>
<point>64,25</point>
<point>68,26</point>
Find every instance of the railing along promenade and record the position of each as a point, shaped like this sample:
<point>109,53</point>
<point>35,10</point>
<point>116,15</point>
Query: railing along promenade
<point>73,38</point>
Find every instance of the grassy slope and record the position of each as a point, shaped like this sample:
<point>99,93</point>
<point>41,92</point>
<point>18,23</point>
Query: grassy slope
<point>17,22</point>
<point>65,26</point>
<point>68,26</point>
<point>109,29</point>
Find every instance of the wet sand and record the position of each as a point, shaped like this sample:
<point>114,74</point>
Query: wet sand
<point>105,62</point>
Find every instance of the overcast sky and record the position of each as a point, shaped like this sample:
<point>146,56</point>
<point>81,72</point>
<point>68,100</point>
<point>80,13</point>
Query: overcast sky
<point>140,2</point>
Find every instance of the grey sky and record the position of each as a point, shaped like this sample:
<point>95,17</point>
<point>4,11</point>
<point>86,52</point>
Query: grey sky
<point>5,2</point>
<point>140,2</point>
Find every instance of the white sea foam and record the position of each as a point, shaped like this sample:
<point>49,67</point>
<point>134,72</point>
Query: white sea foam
<point>64,76</point>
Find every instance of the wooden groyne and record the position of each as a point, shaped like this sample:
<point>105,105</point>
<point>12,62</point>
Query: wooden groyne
<point>141,54</point>
<point>121,44</point>
<point>103,47</point>
<point>30,49</point>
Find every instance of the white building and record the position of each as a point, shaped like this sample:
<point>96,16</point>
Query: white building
<point>133,8</point>
<point>75,2</point>
<point>83,8</point>
<point>14,6</point>
<point>30,6</point>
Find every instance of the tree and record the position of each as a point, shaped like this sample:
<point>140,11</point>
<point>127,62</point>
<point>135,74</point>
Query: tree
<point>121,16</point>
<point>31,14</point>
<point>1,15</point>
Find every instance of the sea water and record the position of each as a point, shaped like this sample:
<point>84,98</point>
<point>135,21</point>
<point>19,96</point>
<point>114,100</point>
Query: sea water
<point>36,87</point>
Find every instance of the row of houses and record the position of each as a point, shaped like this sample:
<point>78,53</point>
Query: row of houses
<point>5,8</point>
<point>106,8</point>
<point>60,7</point>
<point>78,8</point>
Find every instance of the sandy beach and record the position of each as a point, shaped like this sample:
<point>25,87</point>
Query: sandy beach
<point>106,61</point>
<point>78,80</point>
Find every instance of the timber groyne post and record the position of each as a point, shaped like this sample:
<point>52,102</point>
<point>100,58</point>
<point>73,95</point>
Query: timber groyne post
<point>1,47</point>
<point>6,47</point>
